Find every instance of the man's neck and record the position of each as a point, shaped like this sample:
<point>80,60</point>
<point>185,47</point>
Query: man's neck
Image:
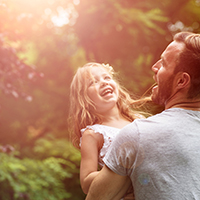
<point>185,104</point>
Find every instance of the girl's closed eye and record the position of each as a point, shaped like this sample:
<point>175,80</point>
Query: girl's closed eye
<point>107,78</point>
<point>92,82</point>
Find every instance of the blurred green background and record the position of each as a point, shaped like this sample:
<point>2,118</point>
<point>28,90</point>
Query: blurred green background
<point>42,43</point>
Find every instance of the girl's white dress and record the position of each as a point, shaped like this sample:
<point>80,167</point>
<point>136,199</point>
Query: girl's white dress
<point>108,132</point>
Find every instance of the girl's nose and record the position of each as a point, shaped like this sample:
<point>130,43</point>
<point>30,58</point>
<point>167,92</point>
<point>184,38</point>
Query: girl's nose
<point>103,83</point>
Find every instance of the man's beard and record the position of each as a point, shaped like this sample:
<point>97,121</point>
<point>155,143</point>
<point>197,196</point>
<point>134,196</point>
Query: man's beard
<point>164,92</point>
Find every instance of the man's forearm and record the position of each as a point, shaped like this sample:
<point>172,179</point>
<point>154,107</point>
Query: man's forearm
<point>108,186</point>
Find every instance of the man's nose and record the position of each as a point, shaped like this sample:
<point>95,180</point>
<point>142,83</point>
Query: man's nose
<point>156,66</point>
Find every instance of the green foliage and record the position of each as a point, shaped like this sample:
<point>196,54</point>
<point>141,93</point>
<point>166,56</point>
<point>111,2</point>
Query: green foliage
<point>145,20</point>
<point>50,146</point>
<point>32,179</point>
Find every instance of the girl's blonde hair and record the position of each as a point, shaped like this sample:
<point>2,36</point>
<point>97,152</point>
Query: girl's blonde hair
<point>81,116</point>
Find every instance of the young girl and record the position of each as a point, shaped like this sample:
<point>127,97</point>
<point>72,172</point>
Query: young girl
<point>100,107</point>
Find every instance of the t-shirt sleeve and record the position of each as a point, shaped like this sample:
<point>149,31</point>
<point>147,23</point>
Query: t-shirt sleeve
<point>122,155</point>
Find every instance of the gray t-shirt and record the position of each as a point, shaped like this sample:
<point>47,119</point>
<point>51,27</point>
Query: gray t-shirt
<point>161,155</point>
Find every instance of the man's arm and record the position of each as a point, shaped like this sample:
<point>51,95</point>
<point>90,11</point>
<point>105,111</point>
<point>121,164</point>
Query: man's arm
<point>108,186</point>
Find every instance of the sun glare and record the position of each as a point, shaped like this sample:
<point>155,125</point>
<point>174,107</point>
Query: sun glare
<point>65,15</point>
<point>60,15</point>
<point>62,18</point>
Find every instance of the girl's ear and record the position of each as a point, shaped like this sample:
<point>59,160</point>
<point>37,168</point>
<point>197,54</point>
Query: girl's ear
<point>183,80</point>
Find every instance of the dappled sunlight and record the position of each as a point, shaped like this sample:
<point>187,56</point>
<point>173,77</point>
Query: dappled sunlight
<point>65,16</point>
<point>42,43</point>
<point>53,11</point>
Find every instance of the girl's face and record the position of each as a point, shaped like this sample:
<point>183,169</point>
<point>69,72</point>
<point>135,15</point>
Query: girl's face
<point>102,90</point>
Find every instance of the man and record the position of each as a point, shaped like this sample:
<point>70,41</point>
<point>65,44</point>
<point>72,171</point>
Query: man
<point>161,154</point>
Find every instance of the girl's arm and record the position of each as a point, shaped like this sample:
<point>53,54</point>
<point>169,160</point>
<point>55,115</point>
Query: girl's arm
<point>90,146</point>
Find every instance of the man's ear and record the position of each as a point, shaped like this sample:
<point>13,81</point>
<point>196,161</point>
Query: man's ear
<point>183,80</point>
